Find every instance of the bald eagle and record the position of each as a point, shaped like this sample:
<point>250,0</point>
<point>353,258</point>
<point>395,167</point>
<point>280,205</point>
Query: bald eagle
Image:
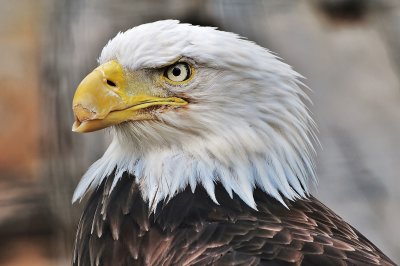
<point>211,161</point>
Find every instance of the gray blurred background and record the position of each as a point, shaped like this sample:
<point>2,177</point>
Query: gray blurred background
<point>349,50</point>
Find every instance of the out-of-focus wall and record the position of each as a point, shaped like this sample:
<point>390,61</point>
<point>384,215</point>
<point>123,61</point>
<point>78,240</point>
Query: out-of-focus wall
<point>347,49</point>
<point>19,73</point>
<point>24,219</point>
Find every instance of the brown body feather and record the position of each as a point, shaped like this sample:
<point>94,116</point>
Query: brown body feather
<point>191,229</point>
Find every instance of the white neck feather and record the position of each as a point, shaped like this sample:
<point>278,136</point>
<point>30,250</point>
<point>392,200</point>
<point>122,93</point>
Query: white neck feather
<point>280,170</point>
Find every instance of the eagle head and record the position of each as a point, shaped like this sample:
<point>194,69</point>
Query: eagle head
<point>189,106</point>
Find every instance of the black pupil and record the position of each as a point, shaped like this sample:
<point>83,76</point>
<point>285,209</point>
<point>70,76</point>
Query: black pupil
<point>176,71</point>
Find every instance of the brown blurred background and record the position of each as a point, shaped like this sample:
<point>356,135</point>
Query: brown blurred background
<point>349,50</point>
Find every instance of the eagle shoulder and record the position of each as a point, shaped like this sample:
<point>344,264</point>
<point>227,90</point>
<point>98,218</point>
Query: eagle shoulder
<point>190,229</point>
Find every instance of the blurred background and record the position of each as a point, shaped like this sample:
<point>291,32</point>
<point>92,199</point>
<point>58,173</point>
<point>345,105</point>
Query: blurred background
<point>349,50</point>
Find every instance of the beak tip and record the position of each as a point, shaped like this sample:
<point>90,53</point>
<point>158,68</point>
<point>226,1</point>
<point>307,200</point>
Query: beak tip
<point>75,127</point>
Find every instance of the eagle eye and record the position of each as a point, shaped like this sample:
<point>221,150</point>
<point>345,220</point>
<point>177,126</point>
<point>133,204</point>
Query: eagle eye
<point>178,72</point>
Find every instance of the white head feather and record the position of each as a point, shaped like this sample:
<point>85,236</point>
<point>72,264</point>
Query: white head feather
<point>247,126</point>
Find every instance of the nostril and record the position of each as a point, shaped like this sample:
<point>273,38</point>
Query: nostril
<point>111,83</point>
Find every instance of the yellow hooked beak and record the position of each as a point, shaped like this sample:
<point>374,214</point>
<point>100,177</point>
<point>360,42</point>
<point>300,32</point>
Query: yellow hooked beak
<point>109,96</point>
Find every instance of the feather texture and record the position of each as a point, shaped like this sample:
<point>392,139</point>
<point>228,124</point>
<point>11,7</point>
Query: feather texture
<point>190,229</point>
